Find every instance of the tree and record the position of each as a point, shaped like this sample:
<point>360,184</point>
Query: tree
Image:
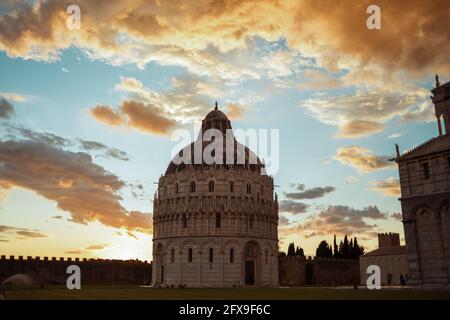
<point>291,249</point>
<point>335,248</point>
<point>299,252</point>
<point>357,249</point>
<point>345,248</point>
<point>324,250</point>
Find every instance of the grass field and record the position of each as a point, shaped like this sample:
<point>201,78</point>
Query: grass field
<point>309,293</point>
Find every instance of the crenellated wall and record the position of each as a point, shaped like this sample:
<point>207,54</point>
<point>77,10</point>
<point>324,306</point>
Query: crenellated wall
<point>298,271</point>
<point>93,271</point>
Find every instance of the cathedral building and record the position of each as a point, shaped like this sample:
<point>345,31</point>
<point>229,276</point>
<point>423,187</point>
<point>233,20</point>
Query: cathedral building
<point>425,200</point>
<point>215,224</point>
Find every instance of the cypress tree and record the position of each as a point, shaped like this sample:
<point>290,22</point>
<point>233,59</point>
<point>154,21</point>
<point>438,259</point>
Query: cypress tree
<point>345,248</point>
<point>335,248</point>
<point>291,249</point>
<point>299,252</point>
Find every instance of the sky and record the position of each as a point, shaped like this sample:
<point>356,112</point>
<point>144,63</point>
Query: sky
<point>87,114</point>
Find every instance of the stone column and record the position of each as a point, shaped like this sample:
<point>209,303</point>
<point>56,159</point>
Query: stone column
<point>439,125</point>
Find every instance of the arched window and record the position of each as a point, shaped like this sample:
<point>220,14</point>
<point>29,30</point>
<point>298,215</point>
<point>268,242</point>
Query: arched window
<point>218,220</point>
<point>211,255</point>
<point>184,221</point>
<point>176,187</point>
<point>190,255</point>
<point>231,255</point>
<point>249,188</point>
<point>211,186</point>
<point>231,186</point>
<point>192,186</point>
<point>250,224</point>
<point>172,255</point>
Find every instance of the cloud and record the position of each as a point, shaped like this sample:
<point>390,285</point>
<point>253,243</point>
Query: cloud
<point>339,220</point>
<point>389,187</point>
<point>137,32</point>
<point>106,115</point>
<point>107,152</point>
<point>64,70</point>
<point>362,159</point>
<point>13,96</point>
<point>44,137</point>
<point>95,147</point>
<point>77,185</point>
<point>397,216</point>
<point>74,252</point>
<point>351,179</point>
<point>312,193</point>
<point>395,135</point>
<point>293,207</point>
<point>365,112</point>
<point>417,44</point>
<point>134,114</point>
<point>6,109</point>
<point>97,247</point>
<point>146,117</point>
<point>155,112</point>
<point>359,128</point>
<point>23,233</point>
<point>187,99</point>
<point>31,234</point>
<point>235,111</point>
<point>283,221</point>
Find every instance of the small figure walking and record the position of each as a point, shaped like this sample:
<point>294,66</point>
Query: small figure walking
<point>402,280</point>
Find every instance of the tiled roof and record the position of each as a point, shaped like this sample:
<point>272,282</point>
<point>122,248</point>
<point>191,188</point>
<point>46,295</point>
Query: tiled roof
<point>387,251</point>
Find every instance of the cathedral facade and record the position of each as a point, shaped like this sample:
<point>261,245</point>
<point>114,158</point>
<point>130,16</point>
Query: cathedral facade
<point>215,225</point>
<point>425,200</point>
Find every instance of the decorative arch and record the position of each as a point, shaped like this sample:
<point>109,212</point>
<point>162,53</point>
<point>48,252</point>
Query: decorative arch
<point>251,263</point>
<point>158,273</point>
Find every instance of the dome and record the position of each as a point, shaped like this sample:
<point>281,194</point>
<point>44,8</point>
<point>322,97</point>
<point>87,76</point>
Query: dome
<point>216,114</point>
<point>216,119</point>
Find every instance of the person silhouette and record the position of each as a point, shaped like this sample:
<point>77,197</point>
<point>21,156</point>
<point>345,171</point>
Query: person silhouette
<point>402,280</point>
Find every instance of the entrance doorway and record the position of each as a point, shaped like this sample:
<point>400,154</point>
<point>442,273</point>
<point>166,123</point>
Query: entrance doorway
<point>251,264</point>
<point>249,273</point>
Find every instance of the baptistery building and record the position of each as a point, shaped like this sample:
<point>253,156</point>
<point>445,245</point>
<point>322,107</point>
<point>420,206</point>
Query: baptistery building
<point>215,222</point>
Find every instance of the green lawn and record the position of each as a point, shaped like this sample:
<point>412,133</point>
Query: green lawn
<point>135,292</point>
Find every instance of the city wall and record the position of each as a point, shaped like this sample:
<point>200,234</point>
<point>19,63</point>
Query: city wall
<point>52,270</point>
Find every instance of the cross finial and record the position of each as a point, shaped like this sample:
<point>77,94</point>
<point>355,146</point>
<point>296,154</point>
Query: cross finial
<point>216,106</point>
<point>437,81</point>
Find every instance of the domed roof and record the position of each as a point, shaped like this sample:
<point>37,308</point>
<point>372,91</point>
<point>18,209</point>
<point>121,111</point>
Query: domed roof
<point>216,114</point>
<point>242,156</point>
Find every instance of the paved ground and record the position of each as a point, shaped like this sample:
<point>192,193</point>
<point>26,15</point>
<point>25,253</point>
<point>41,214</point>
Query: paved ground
<point>135,292</point>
